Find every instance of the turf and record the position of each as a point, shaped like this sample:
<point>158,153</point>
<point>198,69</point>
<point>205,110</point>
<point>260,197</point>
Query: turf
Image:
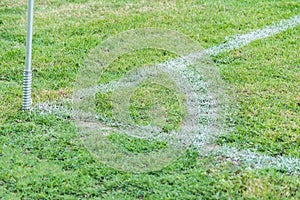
<point>41,156</point>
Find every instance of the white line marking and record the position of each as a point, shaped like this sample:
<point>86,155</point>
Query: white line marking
<point>256,160</point>
<point>242,40</point>
<point>259,161</point>
<point>237,42</point>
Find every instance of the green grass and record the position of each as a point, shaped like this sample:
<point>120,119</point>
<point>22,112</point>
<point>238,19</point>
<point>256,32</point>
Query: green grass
<point>135,145</point>
<point>42,157</point>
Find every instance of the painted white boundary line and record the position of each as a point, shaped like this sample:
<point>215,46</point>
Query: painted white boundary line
<point>237,42</point>
<point>259,161</point>
<point>242,40</point>
<point>255,160</point>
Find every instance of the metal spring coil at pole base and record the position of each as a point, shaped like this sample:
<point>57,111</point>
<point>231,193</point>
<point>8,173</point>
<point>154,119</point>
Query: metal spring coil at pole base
<point>27,90</point>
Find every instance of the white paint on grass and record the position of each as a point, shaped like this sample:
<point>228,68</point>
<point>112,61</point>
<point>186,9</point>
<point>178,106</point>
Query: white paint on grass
<point>259,161</point>
<point>237,42</point>
<point>254,160</point>
<point>242,40</point>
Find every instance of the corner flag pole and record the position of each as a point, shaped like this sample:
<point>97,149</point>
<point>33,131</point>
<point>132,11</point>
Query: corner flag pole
<point>27,71</point>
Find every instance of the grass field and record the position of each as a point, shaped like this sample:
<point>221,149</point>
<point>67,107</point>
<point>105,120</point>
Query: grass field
<point>41,155</point>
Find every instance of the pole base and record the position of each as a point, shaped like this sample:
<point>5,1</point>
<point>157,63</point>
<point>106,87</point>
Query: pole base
<point>27,90</point>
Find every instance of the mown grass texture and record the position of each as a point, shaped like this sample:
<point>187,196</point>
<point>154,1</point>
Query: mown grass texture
<point>41,155</point>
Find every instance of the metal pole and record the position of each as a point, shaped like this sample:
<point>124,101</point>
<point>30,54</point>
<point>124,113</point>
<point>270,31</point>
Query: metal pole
<point>27,71</point>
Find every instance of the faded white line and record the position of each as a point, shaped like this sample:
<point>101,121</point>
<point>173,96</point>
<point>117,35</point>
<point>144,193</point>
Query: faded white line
<point>259,161</point>
<point>255,160</point>
<point>242,40</point>
<point>234,43</point>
